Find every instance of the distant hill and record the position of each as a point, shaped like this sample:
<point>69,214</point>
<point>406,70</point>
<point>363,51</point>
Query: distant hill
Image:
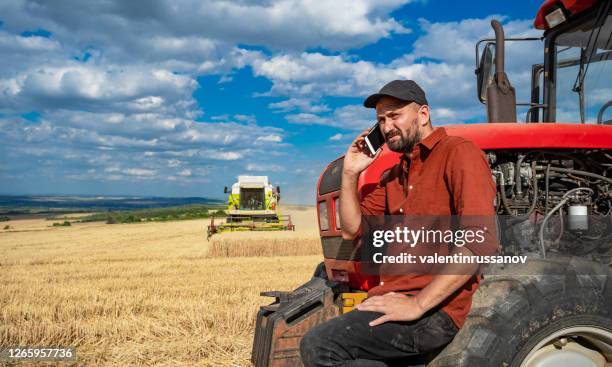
<point>16,204</point>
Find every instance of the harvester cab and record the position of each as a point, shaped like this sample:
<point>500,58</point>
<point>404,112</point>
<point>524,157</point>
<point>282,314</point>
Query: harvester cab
<point>547,170</point>
<point>252,205</point>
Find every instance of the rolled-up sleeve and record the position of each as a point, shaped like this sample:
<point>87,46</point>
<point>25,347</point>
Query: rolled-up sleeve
<point>374,202</point>
<point>470,182</point>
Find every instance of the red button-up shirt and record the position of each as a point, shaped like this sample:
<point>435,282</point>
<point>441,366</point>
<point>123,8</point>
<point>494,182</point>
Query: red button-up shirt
<point>444,176</point>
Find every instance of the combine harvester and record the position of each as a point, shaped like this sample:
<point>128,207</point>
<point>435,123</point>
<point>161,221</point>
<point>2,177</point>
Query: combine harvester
<point>252,205</point>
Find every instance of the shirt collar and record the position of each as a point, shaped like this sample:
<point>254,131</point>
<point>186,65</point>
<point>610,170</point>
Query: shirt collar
<point>429,143</point>
<point>433,138</point>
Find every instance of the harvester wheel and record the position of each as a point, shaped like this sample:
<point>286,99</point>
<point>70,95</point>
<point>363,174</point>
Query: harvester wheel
<point>561,316</point>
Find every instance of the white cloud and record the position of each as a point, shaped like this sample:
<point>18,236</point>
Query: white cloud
<point>16,43</point>
<point>90,87</point>
<point>336,137</point>
<point>175,40</point>
<point>306,67</point>
<point>95,147</point>
<point>445,73</point>
<point>172,27</point>
<point>258,167</point>
<point>300,104</point>
<point>226,156</point>
<point>352,117</point>
<point>168,47</point>
<point>224,117</point>
<point>316,75</point>
<point>174,163</point>
<point>141,172</point>
<point>270,138</point>
<point>309,119</point>
<point>246,118</point>
<point>355,117</point>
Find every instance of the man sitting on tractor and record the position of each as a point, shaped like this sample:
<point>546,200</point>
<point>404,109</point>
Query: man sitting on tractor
<point>438,175</point>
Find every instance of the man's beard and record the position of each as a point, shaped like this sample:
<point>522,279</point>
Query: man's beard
<point>404,144</point>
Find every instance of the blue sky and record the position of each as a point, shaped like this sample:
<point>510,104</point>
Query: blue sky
<point>177,98</point>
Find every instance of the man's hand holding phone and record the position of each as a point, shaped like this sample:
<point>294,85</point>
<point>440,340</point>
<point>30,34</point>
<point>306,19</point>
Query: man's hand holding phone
<point>363,151</point>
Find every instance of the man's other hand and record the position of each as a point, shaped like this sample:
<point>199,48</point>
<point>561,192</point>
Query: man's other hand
<point>358,157</point>
<point>394,306</point>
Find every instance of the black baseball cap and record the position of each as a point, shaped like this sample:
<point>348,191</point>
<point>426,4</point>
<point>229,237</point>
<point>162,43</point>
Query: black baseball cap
<point>405,90</point>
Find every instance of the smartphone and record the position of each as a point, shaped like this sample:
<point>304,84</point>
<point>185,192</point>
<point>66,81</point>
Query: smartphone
<point>375,139</point>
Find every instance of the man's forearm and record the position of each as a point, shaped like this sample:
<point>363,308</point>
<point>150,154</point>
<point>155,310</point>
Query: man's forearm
<point>350,211</point>
<point>452,277</point>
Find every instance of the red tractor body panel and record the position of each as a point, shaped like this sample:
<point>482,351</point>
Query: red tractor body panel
<point>534,136</point>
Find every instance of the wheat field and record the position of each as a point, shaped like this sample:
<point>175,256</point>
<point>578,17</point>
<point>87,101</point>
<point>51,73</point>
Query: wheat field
<point>145,294</point>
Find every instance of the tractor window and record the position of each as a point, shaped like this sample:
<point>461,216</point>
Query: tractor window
<point>584,72</point>
<point>252,199</point>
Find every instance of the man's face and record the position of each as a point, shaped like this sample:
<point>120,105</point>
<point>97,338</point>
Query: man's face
<point>398,121</point>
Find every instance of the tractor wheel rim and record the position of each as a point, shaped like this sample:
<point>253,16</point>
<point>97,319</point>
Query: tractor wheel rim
<point>565,348</point>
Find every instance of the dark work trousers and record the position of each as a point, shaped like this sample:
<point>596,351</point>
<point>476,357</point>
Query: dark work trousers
<point>349,341</point>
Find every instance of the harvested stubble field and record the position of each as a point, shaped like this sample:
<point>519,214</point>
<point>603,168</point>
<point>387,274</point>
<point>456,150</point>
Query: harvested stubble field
<point>145,294</point>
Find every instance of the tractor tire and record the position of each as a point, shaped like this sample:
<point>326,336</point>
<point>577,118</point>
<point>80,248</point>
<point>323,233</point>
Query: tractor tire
<point>552,318</point>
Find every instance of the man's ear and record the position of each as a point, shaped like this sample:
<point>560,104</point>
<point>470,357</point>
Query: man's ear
<point>423,114</point>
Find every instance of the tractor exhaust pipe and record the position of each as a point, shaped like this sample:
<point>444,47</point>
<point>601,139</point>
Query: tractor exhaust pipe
<point>501,97</point>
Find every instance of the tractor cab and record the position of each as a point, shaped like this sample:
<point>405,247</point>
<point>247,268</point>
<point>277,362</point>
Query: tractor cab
<point>252,196</point>
<point>573,79</point>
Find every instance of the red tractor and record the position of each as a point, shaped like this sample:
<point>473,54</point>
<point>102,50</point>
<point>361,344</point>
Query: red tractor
<point>554,183</point>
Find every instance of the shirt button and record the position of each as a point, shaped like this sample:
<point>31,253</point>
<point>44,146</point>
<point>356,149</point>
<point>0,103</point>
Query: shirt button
<point>382,283</point>
<point>410,187</point>
<point>401,210</point>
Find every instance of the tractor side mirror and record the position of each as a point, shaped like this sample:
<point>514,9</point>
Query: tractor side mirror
<point>484,73</point>
<point>278,189</point>
<point>225,190</point>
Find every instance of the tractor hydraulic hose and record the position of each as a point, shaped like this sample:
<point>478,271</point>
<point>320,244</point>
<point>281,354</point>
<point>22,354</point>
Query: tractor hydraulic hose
<point>546,183</point>
<point>564,200</point>
<point>581,173</point>
<point>561,228</point>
